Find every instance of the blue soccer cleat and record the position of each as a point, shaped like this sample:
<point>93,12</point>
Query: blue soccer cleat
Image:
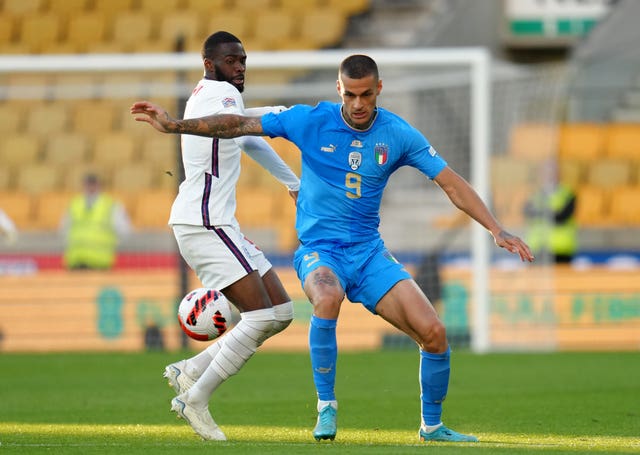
<point>327,426</point>
<point>445,434</point>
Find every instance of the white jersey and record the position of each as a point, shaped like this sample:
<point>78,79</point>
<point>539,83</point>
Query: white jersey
<point>207,196</point>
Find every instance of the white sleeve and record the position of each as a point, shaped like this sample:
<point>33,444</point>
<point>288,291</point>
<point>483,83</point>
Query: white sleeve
<point>260,111</point>
<point>260,151</point>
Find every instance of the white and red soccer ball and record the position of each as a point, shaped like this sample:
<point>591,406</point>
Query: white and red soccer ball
<point>204,314</point>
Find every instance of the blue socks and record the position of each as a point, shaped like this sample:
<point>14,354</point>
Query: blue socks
<point>434,384</point>
<point>323,349</point>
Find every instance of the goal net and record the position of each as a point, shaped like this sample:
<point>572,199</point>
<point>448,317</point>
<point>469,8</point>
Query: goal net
<point>466,106</point>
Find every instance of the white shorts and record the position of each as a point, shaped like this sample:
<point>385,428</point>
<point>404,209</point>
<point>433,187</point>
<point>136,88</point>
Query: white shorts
<point>219,255</point>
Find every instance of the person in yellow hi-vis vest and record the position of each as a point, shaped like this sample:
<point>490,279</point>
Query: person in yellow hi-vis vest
<point>93,224</point>
<point>550,213</point>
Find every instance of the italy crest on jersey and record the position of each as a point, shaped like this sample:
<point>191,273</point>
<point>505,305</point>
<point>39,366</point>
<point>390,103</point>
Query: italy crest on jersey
<point>355,160</point>
<point>381,152</point>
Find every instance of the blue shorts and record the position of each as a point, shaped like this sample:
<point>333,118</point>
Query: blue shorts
<point>367,271</point>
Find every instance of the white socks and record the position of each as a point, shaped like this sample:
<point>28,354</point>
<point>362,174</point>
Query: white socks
<point>239,344</point>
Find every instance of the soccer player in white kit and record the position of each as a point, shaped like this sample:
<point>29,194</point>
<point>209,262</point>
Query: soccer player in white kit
<point>209,237</point>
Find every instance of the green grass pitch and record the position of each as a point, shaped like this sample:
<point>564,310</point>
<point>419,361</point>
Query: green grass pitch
<point>557,403</point>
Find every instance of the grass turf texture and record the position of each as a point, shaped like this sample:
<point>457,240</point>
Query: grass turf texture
<point>561,403</point>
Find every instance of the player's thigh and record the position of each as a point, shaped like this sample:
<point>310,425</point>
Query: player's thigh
<point>407,308</point>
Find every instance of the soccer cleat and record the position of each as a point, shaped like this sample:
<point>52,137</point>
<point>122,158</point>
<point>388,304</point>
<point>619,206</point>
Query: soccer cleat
<point>327,426</point>
<point>446,435</point>
<point>199,418</point>
<point>177,377</point>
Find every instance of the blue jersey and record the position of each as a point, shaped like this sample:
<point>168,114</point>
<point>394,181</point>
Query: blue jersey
<point>345,171</point>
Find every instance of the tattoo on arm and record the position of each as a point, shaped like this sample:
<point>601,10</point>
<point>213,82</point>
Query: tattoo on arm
<point>223,126</point>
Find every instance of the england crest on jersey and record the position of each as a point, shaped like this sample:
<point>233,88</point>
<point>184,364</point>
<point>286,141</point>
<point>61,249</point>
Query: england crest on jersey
<point>355,160</point>
<point>381,152</point>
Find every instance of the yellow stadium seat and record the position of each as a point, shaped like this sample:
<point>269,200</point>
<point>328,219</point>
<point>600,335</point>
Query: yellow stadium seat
<point>67,7</point>
<point>22,7</point>
<point>592,206</point>
<point>625,206</point>
<point>7,29</point>
<point>159,9</point>
<point>133,177</point>
<point>255,207</point>
<point>300,5</point>
<point>609,173</point>
<point>19,150</point>
<point>232,21</point>
<point>175,25</point>
<point>581,141</point>
<point>85,29</point>
<point>38,178</point>
<point>48,118</point>
<point>73,176</point>
<point>113,150</point>
<point>533,141</point>
<point>571,172</point>
<point>5,179</point>
<point>131,30</point>
<point>322,27</point>
<point>251,6</point>
<point>161,153</point>
<point>623,141</point>
<point>111,8</point>
<point>349,7</point>
<point>274,29</point>
<point>508,171</point>
<point>93,117</point>
<point>39,31</point>
<point>207,7</point>
<point>50,207</point>
<point>152,209</point>
<point>18,205</point>
<point>11,118</point>
<point>66,149</point>
<point>508,203</point>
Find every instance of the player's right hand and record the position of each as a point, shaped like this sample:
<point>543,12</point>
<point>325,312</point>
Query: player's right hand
<point>154,115</point>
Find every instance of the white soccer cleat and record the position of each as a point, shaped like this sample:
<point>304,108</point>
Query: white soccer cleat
<point>199,418</point>
<point>177,377</point>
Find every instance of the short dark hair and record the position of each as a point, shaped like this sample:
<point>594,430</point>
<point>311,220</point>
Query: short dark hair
<point>359,66</point>
<point>221,37</point>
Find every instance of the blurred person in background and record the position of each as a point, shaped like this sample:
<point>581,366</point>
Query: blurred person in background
<point>8,228</point>
<point>92,226</point>
<point>349,150</point>
<point>550,217</point>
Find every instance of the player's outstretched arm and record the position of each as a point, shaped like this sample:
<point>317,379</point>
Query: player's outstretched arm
<point>222,125</point>
<point>467,199</point>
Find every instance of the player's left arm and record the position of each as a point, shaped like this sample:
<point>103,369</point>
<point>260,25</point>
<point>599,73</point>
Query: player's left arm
<point>463,196</point>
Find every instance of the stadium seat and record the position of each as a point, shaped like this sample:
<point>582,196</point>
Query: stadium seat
<point>159,9</point>
<point>509,172</point>
<point>112,8</point>
<point>207,7</point>
<point>253,6</point>
<point>160,153</point>
<point>274,29</point>
<point>581,141</point>
<point>84,29</point>
<point>230,20</point>
<point>93,117</point>
<point>22,7</point>
<point>349,7</point>
<point>133,177</point>
<point>5,179</point>
<point>74,176</point>
<point>255,207</point>
<point>114,149</point>
<point>67,7</point>
<point>38,178</point>
<point>533,141</point>
<point>19,150</point>
<point>179,24</point>
<point>609,173</point>
<point>623,141</point>
<point>131,31</point>
<point>39,31</point>
<point>592,206</point>
<point>322,27</point>
<point>625,206</point>
<point>571,172</point>
<point>11,118</point>
<point>48,118</point>
<point>66,149</point>
<point>49,208</point>
<point>152,209</point>
<point>18,205</point>
<point>7,29</point>
<point>508,203</point>
<point>300,5</point>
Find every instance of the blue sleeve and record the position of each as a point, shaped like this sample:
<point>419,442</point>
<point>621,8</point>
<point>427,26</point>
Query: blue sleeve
<point>422,155</point>
<point>289,124</point>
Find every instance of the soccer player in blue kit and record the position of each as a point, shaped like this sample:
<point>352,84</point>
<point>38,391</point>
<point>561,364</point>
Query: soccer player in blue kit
<point>349,150</point>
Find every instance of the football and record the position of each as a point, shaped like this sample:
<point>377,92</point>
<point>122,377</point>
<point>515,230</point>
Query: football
<point>204,314</point>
